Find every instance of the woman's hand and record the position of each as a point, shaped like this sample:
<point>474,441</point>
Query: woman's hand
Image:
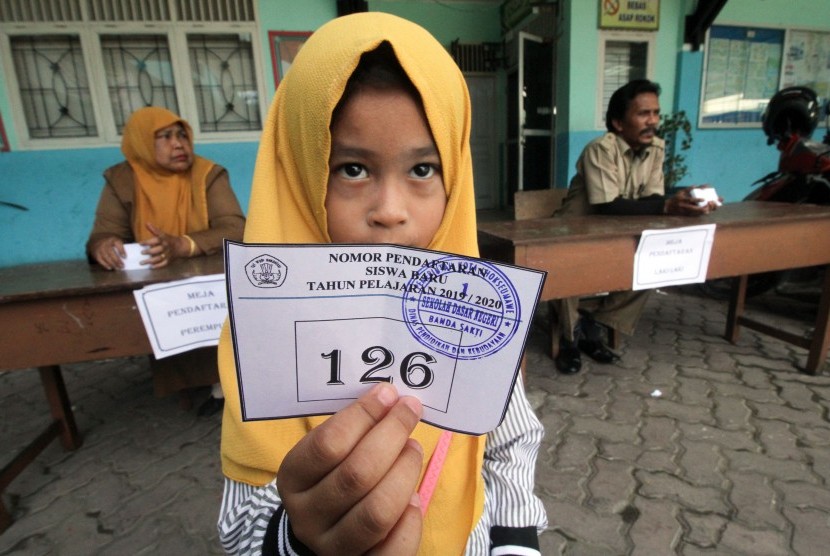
<point>162,248</point>
<point>349,485</point>
<point>109,252</point>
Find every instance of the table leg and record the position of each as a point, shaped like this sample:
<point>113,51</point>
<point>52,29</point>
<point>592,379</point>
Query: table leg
<point>59,405</point>
<point>5,517</point>
<point>22,460</point>
<point>62,425</point>
<point>820,341</point>
<point>555,330</point>
<point>614,341</point>
<point>737,300</point>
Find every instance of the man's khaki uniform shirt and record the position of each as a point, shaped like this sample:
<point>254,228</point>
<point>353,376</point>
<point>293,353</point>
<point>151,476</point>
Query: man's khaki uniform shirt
<point>609,168</point>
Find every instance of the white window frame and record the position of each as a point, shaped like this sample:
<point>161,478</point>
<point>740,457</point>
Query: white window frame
<point>650,38</point>
<point>88,33</point>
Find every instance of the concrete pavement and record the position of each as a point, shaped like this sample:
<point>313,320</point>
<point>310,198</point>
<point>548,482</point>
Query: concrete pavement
<point>689,445</point>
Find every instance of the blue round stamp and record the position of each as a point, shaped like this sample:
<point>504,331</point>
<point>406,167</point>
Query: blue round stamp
<point>460,307</point>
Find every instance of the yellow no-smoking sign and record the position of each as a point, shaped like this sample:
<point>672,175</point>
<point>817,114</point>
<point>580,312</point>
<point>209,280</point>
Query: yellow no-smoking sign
<point>629,14</point>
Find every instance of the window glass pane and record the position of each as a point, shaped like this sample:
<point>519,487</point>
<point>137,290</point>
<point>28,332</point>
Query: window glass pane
<point>54,87</point>
<point>138,74</point>
<point>224,81</point>
<point>623,62</point>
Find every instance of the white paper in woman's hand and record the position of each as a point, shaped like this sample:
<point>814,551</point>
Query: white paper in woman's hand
<point>134,257</point>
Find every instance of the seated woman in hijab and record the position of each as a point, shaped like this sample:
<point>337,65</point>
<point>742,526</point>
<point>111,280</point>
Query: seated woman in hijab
<point>176,204</point>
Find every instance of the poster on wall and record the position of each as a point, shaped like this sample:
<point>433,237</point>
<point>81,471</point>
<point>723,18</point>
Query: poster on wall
<point>807,61</point>
<point>284,47</point>
<point>639,15</point>
<point>741,73</point>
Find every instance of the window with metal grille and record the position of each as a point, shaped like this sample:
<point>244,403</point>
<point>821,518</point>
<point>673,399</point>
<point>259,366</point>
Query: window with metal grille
<point>624,57</point>
<point>16,11</point>
<point>128,10</point>
<point>79,68</point>
<point>478,57</point>
<point>57,11</point>
<point>53,84</point>
<point>224,79</point>
<point>139,73</point>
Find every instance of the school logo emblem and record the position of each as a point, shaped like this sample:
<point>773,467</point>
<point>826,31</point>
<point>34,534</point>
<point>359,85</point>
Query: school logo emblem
<point>266,271</point>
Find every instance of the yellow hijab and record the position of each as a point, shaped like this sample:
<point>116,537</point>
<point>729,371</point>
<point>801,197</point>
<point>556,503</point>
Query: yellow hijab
<point>174,202</point>
<point>287,206</point>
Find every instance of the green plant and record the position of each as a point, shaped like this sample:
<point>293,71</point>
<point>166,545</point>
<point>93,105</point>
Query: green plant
<point>676,130</point>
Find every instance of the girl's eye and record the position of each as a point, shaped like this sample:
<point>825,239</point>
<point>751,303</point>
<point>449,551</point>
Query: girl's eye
<point>352,171</point>
<point>423,171</point>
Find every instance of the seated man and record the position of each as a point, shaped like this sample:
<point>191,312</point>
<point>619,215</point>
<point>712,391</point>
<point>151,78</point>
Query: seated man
<point>620,173</point>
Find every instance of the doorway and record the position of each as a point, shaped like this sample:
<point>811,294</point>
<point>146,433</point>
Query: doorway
<point>530,115</point>
<point>484,138</point>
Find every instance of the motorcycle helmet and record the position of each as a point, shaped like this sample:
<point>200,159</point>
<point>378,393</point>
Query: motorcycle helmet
<point>793,110</point>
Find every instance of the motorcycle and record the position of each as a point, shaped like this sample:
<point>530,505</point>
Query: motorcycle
<point>802,176</point>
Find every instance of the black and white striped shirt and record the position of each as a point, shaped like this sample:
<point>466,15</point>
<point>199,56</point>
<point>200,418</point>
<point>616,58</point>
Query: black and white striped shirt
<point>252,520</point>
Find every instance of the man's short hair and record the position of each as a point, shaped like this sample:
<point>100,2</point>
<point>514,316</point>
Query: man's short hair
<point>622,97</point>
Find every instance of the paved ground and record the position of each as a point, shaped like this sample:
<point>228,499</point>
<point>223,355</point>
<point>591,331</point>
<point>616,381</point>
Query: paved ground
<point>731,456</point>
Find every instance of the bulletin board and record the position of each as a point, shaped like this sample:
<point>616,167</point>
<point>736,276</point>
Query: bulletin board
<point>807,61</point>
<point>742,70</point>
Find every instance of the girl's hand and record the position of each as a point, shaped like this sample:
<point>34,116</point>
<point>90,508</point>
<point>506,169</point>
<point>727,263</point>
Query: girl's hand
<point>349,485</point>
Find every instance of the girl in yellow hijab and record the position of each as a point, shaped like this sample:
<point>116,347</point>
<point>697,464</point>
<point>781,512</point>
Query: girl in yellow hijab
<point>367,141</point>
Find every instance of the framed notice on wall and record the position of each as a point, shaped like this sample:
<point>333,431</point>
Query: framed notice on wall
<point>807,61</point>
<point>284,47</point>
<point>741,72</point>
<point>639,15</point>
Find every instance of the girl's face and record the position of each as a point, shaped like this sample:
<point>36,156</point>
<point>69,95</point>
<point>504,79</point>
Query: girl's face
<point>385,183</point>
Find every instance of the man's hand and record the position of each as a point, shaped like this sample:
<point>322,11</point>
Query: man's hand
<point>684,204</point>
<point>349,485</point>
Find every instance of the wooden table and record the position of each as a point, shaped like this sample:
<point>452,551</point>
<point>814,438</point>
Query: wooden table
<point>68,312</point>
<point>591,254</point>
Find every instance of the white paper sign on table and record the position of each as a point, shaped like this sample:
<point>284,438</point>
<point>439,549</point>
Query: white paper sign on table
<point>183,315</point>
<point>315,326</point>
<point>673,257</point>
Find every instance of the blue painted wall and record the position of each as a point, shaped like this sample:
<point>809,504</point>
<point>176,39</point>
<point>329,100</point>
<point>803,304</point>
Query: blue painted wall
<point>728,159</point>
<point>470,21</point>
<point>579,70</point>
<point>61,187</point>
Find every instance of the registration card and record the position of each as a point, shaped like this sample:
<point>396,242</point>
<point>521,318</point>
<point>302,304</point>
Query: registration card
<point>315,326</point>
